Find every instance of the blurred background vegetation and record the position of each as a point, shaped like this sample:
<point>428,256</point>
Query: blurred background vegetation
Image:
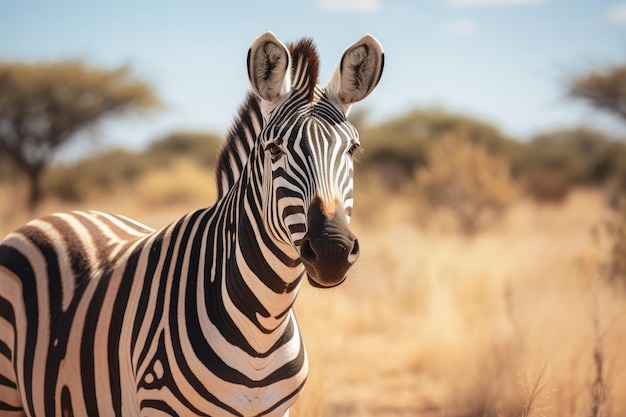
<point>45,106</point>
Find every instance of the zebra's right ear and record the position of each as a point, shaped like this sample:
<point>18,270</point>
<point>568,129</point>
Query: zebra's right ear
<point>358,72</point>
<point>269,68</point>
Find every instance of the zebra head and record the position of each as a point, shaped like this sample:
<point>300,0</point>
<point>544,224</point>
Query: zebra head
<point>307,146</point>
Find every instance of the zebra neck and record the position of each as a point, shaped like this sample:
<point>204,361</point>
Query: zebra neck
<point>272,274</point>
<point>259,281</point>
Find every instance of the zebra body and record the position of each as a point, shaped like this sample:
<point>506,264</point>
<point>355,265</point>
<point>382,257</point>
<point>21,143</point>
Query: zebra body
<point>102,316</point>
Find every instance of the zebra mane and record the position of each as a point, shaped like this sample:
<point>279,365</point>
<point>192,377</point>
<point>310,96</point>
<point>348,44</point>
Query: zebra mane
<point>247,126</point>
<point>240,138</point>
<point>304,66</point>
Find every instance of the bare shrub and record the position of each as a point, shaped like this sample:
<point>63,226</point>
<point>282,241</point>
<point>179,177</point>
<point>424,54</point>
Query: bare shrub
<point>464,178</point>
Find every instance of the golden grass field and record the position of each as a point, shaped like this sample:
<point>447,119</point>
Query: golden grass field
<point>432,323</point>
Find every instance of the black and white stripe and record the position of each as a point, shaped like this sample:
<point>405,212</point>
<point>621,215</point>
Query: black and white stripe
<point>102,316</point>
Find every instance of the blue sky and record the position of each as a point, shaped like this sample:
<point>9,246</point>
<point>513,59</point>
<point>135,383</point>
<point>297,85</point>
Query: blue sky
<point>504,61</point>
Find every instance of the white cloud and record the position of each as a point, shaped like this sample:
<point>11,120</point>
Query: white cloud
<point>491,3</point>
<point>617,13</point>
<point>361,6</point>
<point>461,27</point>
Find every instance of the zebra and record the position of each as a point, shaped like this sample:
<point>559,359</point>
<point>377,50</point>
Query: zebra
<point>103,316</point>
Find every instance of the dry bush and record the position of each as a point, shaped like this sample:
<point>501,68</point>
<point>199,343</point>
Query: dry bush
<point>466,179</point>
<point>184,183</point>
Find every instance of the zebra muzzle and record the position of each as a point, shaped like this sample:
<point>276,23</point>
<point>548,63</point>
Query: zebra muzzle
<point>329,248</point>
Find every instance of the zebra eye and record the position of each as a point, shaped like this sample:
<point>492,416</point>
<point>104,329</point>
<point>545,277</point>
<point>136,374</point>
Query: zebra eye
<point>353,148</point>
<point>275,150</point>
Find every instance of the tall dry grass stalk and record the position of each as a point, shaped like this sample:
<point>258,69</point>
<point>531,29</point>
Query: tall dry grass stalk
<point>535,389</point>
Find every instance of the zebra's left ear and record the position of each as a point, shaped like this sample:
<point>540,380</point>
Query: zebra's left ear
<point>269,68</point>
<point>358,72</point>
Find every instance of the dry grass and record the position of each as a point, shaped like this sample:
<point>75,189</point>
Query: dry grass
<point>431,323</point>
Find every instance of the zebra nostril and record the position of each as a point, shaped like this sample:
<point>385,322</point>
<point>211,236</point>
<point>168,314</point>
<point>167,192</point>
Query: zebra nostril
<point>354,253</point>
<point>306,251</point>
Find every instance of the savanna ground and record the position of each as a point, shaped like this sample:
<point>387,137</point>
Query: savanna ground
<point>513,321</point>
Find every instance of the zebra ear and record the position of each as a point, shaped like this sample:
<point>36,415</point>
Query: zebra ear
<point>358,72</point>
<point>269,67</point>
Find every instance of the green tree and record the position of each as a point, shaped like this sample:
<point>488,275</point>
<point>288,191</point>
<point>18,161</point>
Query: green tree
<point>577,153</point>
<point>604,88</point>
<point>44,105</point>
<point>555,161</point>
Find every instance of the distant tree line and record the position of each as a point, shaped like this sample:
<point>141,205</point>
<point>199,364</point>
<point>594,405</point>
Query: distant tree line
<point>106,172</point>
<point>44,106</point>
<point>547,166</point>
